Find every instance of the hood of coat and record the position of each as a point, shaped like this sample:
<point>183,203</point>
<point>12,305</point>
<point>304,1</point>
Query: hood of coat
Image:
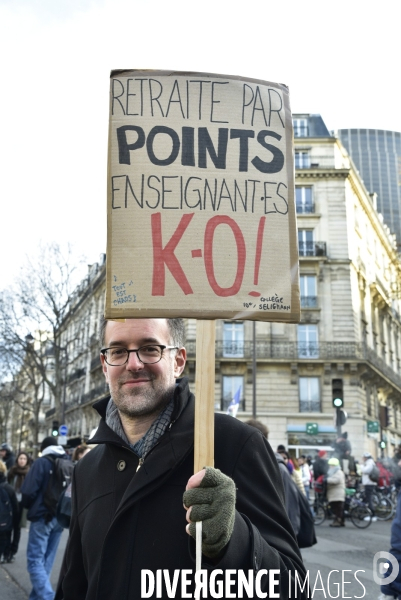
<point>280,459</point>
<point>58,450</point>
<point>333,470</point>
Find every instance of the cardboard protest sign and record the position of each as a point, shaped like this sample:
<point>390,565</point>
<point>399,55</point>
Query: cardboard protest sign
<point>201,215</point>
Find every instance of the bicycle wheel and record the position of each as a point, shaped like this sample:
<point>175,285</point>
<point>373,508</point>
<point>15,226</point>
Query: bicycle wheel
<point>384,508</point>
<point>319,513</point>
<point>361,516</point>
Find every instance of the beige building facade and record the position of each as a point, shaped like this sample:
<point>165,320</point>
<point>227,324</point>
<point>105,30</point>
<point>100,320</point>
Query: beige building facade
<point>350,325</point>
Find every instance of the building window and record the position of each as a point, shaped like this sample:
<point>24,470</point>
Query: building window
<point>306,244</point>
<point>233,339</point>
<point>232,385</point>
<point>308,291</point>
<point>302,159</point>
<point>309,394</point>
<point>303,199</point>
<point>300,127</point>
<point>308,346</point>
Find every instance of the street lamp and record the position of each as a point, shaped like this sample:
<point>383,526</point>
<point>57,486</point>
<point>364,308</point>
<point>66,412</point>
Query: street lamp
<point>63,349</point>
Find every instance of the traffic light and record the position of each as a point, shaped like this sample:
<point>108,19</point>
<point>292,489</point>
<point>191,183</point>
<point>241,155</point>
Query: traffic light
<point>337,393</point>
<point>382,444</point>
<point>55,428</point>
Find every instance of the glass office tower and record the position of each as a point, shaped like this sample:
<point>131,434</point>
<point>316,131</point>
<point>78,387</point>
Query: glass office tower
<point>377,156</point>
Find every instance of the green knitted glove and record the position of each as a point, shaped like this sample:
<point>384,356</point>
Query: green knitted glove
<point>213,503</point>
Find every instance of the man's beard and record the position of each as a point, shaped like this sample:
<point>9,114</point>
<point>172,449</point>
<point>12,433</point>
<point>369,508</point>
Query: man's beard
<point>140,402</point>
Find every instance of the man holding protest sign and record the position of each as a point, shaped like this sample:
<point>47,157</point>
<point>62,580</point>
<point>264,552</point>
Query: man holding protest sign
<point>128,535</point>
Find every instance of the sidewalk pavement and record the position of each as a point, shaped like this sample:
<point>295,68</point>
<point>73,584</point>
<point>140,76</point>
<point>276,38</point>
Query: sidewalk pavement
<point>14,578</point>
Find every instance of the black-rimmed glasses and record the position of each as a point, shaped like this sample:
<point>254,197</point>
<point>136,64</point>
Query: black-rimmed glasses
<point>115,356</point>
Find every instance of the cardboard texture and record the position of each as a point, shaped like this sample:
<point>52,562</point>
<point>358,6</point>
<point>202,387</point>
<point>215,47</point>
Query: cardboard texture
<point>201,214</point>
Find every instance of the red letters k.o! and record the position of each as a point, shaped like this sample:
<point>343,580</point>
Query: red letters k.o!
<point>165,256</point>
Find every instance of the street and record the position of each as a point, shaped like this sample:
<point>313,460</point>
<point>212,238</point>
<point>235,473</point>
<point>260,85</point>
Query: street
<point>14,578</point>
<point>346,550</point>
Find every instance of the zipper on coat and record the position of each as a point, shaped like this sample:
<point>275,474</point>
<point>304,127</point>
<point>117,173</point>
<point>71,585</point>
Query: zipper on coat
<point>141,461</point>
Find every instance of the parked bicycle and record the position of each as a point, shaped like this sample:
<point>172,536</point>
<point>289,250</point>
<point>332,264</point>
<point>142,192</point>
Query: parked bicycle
<point>355,509</point>
<point>382,503</point>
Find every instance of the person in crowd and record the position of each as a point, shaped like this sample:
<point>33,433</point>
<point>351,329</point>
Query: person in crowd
<point>335,480</point>
<point>287,459</point>
<point>395,467</point>
<point>9,521</point>
<point>305,474</point>
<point>63,512</point>
<point>259,425</point>
<point>320,466</point>
<point>392,590</point>
<point>79,452</point>
<point>297,476</point>
<point>128,492</point>
<point>368,484</point>
<point>290,492</point>
<point>342,446</point>
<point>7,455</point>
<point>15,478</point>
<point>44,531</point>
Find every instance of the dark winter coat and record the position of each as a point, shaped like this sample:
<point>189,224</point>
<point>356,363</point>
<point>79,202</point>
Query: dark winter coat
<point>14,505</point>
<point>320,467</point>
<point>9,460</point>
<point>124,520</point>
<point>35,484</point>
<point>16,476</point>
<point>394,588</point>
<point>291,495</point>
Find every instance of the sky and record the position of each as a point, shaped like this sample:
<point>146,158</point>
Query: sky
<point>340,59</point>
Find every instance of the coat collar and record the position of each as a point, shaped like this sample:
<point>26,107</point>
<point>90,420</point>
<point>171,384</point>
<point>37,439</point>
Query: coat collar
<point>171,450</point>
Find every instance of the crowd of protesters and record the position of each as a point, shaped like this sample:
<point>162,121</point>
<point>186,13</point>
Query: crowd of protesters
<point>13,472</point>
<point>328,472</point>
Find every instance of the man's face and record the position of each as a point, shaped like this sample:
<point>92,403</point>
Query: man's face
<point>140,389</point>
<point>3,453</point>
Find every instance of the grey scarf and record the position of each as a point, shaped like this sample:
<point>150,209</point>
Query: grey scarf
<point>151,437</point>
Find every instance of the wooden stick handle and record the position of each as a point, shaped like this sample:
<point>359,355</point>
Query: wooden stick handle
<point>204,395</point>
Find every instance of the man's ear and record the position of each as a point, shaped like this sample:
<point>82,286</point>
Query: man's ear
<point>180,360</point>
<point>104,368</point>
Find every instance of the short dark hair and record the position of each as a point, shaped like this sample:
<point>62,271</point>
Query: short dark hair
<point>176,328</point>
<point>258,425</point>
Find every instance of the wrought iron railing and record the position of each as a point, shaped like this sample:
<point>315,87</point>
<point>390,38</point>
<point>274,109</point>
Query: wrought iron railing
<point>305,208</point>
<point>312,248</point>
<point>308,301</point>
<point>313,161</point>
<point>98,391</point>
<point>293,351</point>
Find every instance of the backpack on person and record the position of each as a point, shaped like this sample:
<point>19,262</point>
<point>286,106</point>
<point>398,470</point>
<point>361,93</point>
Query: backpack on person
<point>63,514</point>
<point>60,478</point>
<point>374,474</point>
<point>6,510</point>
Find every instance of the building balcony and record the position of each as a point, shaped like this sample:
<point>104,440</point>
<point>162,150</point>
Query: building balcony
<point>308,301</point>
<point>305,208</point>
<point>312,249</point>
<point>76,374</point>
<point>311,161</point>
<point>297,351</point>
<point>49,413</point>
<point>97,392</point>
